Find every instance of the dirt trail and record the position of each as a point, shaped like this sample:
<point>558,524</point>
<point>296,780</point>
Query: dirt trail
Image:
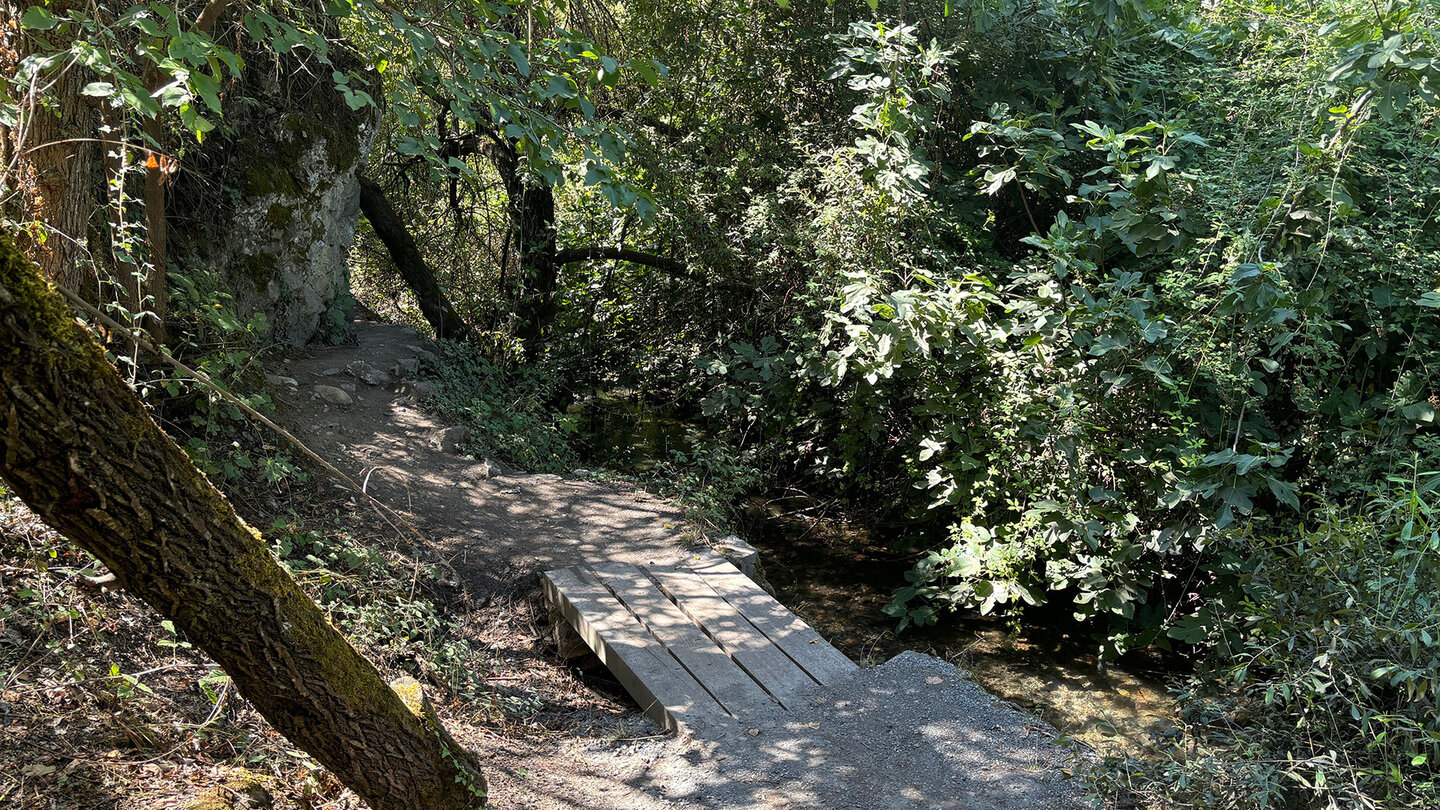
<point>914,733</point>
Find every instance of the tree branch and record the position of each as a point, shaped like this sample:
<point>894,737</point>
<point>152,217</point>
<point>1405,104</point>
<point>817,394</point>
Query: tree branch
<point>667,263</point>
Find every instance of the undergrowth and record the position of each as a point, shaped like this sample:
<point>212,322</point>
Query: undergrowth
<point>104,700</point>
<point>1323,689</point>
<point>508,408</point>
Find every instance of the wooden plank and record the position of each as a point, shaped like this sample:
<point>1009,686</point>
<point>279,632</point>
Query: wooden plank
<point>706,662</point>
<point>666,692</point>
<point>797,639</point>
<point>772,669</point>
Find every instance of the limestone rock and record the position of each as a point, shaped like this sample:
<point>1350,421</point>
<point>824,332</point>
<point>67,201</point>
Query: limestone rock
<point>276,210</point>
<point>333,395</point>
<point>741,554</point>
<point>368,374</point>
<point>406,366</point>
<point>282,382</point>
<point>485,469</point>
<point>448,440</point>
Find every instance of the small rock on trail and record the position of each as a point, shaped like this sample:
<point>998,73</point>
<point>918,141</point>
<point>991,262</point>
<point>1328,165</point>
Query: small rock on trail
<point>485,469</point>
<point>333,395</point>
<point>368,374</point>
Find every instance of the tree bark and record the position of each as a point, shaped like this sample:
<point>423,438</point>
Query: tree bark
<point>668,264</point>
<point>53,152</point>
<point>406,255</point>
<point>79,448</point>
<point>530,208</point>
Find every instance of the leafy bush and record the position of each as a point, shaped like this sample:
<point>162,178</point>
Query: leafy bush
<point>371,596</point>
<point>509,409</point>
<point>708,479</point>
<point>1327,671</point>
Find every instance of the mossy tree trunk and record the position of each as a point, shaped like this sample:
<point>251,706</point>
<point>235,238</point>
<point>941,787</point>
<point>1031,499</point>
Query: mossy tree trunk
<point>79,448</point>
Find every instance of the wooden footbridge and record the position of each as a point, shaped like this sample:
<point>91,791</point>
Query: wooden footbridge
<point>696,644</point>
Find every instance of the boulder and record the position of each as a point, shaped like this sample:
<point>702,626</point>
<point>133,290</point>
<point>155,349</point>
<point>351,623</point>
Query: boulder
<point>448,440</point>
<point>272,200</point>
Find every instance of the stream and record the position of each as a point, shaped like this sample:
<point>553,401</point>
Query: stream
<point>838,577</point>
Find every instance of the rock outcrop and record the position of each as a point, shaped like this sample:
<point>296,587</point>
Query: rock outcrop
<point>276,197</point>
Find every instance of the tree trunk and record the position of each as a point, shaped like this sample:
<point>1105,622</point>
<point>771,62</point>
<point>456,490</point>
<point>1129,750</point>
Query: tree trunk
<point>54,154</point>
<point>531,211</point>
<point>403,251</point>
<point>539,269</point>
<point>79,448</point>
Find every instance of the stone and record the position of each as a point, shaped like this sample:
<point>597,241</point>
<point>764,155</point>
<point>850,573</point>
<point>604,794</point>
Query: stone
<point>485,469</point>
<point>333,395</point>
<point>406,366</point>
<point>279,201</point>
<point>330,372</point>
<point>283,382</point>
<point>741,554</point>
<point>422,354</point>
<point>581,473</point>
<point>368,374</point>
<point>448,440</point>
<point>417,389</point>
<point>348,387</point>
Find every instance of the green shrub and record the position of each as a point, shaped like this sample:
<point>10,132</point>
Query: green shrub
<point>509,409</point>
<point>1324,689</point>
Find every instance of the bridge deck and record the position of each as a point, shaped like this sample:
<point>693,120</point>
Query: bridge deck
<point>696,643</point>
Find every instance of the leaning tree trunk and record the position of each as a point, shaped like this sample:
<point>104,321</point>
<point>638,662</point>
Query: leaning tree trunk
<point>78,447</point>
<point>406,255</point>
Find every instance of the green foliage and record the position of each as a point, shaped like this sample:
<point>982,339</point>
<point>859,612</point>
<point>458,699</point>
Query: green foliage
<point>708,479</point>
<point>510,409</point>
<point>118,48</point>
<point>1324,692</point>
<point>1177,354</point>
<point>371,596</point>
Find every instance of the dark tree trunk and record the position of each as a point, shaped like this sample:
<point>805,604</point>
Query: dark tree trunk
<point>531,210</point>
<point>539,267</point>
<point>79,448</point>
<point>406,255</point>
